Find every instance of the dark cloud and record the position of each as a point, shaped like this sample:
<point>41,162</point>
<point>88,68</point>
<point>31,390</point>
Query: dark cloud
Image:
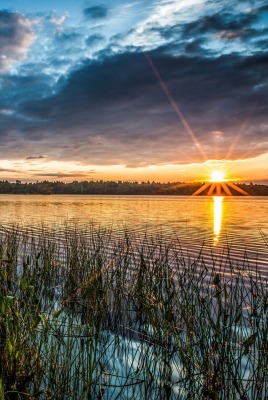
<point>194,46</point>
<point>261,9</point>
<point>93,39</point>
<point>262,44</point>
<point>67,36</point>
<point>95,12</point>
<point>117,112</point>
<point>197,37</point>
<point>65,175</point>
<point>63,105</point>
<point>114,110</point>
<point>16,37</point>
<point>8,170</point>
<point>232,35</point>
<point>218,22</point>
<point>208,25</point>
<point>35,157</point>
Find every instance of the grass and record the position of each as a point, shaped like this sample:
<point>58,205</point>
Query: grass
<point>87,314</point>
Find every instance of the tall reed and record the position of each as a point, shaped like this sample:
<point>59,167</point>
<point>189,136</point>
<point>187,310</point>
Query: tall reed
<point>89,314</point>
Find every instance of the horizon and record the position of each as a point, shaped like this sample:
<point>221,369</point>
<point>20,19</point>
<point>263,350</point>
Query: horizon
<point>134,90</point>
<point>25,182</point>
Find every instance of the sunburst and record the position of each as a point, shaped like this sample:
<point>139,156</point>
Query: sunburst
<point>219,186</point>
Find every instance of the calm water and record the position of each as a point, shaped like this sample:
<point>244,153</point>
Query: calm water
<point>242,222</point>
<point>224,227</point>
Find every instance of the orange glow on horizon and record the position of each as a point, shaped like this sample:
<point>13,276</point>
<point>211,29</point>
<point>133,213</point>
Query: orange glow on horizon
<point>249,170</point>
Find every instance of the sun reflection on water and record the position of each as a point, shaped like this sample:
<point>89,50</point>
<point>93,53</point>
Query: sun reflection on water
<point>217,216</point>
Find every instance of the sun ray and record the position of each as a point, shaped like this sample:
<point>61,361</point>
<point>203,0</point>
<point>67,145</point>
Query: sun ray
<point>200,190</point>
<point>226,189</point>
<point>238,189</point>
<point>218,189</point>
<point>219,186</point>
<point>174,187</point>
<point>236,140</point>
<point>176,107</point>
<point>211,189</point>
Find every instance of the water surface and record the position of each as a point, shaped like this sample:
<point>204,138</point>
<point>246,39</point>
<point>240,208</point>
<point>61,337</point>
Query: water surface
<point>211,222</point>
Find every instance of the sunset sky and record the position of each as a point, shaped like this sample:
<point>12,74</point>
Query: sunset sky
<point>164,90</point>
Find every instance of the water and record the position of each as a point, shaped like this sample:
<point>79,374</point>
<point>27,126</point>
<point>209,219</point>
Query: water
<point>240,215</point>
<point>223,227</point>
<point>210,223</point>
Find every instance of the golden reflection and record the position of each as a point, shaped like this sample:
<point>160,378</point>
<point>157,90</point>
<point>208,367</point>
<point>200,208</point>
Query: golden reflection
<point>217,216</point>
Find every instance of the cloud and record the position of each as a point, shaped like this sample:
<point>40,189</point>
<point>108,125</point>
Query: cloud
<point>260,9</point>
<point>222,25</point>
<point>16,37</point>
<point>108,107</point>
<point>117,112</point>
<point>194,46</point>
<point>35,157</point>
<point>76,174</point>
<point>8,170</point>
<point>233,35</point>
<point>93,39</point>
<point>67,36</point>
<point>58,20</point>
<point>95,12</point>
<point>262,44</point>
<point>194,27</point>
<point>218,23</point>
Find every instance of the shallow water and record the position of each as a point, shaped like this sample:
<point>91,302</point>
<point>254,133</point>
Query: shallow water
<point>208,222</point>
<point>224,227</point>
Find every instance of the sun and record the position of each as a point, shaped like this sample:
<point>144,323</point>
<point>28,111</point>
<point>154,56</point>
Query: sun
<point>219,186</point>
<point>217,176</point>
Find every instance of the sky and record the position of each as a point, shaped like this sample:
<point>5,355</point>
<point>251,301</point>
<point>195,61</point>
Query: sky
<point>164,90</point>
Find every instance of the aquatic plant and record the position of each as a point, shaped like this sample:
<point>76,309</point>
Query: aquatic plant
<point>93,314</point>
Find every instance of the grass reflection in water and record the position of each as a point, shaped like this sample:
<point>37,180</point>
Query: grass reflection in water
<point>91,315</point>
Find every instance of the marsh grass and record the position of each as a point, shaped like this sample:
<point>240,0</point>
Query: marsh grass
<point>88,314</point>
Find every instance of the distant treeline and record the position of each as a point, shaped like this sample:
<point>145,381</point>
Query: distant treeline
<point>116,188</point>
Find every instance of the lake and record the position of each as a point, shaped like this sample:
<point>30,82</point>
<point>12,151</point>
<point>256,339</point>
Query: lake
<point>213,223</point>
<point>134,318</point>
